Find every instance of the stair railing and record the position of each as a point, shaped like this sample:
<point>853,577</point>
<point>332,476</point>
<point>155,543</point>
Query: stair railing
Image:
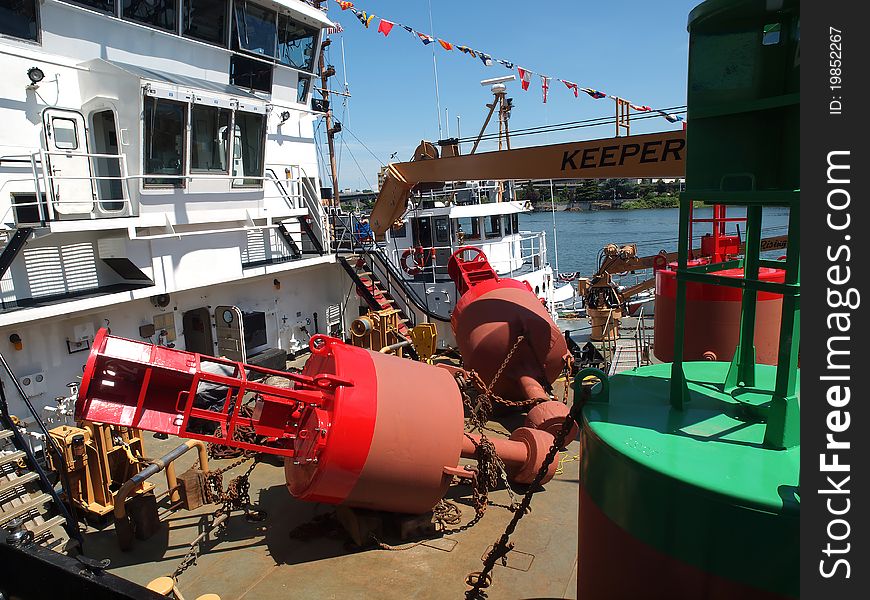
<point>72,527</point>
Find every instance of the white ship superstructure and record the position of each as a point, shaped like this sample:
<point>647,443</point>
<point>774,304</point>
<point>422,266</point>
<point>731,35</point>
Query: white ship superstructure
<point>158,176</point>
<point>479,214</point>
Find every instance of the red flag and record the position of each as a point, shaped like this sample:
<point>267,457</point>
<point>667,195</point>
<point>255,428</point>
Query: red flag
<point>545,86</point>
<point>446,45</point>
<point>345,5</point>
<point>385,27</point>
<point>525,77</point>
<point>570,86</point>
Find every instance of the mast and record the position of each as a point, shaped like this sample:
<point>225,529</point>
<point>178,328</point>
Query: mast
<point>330,130</point>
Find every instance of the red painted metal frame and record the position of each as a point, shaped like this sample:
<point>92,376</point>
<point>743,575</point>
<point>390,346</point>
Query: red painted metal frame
<point>278,409</point>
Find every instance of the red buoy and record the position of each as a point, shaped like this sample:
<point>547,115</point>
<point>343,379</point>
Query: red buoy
<point>712,317</point>
<point>488,320</point>
<point>356,427</point>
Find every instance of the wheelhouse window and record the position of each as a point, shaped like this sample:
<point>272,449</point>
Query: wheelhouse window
<point>101,5</point>
<point>248,147</point>
<point>209,131</point>
<point>254,29</point>
<point>165,123</point>
<point>162,14</point>
<point>205,20</point>
<point>18,18</point>
<point>296,43</point>
<point>467,228</point>
<point>506,225</point>
<point>493,226</point>
<point>515,219</point>
<point>250,74</point>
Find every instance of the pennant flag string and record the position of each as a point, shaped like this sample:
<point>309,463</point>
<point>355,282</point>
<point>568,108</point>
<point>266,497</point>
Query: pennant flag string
<point>385,27</point>
<point>594,93</point>
<point>363,17</point>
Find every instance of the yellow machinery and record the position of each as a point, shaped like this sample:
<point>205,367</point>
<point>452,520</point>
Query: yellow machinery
<point>377,330</point>
<point>99,459</point>
<point>425,339</point>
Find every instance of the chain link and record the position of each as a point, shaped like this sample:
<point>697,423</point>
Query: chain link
<point>478,580</point>
<point>236,496</point>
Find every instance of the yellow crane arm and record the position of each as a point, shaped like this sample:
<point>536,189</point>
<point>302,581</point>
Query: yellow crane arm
<point>650,155</point>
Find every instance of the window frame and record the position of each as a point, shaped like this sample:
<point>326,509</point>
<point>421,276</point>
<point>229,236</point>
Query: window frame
<point>258,183</point>
<point>37,18</point>
<point>76,142</point>
<point>179,180</point>
<point>235,30</point>
<point>227,150</point>
<point>492,220</point>
<point>315,43</point>
<point>83,4</point>
<point>228,16</point>
<point>119,12</point>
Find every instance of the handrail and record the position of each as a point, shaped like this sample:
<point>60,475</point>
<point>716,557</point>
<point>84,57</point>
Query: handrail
<point>306,226</point>
<point>72,527</point>
<point>371,249</point>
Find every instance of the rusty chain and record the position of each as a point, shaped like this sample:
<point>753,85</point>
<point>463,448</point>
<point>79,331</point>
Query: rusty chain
<point>479,580</point>
<point>236,496</point>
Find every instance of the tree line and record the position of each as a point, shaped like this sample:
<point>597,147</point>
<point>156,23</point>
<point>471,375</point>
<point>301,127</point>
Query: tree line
<point>619,193</point>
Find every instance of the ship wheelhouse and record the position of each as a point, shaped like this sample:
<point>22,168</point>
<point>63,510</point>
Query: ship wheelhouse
<point>479,214</point>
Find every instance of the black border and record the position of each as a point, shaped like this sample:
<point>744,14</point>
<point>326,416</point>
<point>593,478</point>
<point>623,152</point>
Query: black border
<point>821,133</point>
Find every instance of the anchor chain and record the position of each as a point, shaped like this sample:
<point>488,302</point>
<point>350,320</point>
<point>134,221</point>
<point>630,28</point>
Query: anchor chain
<point>236,496</point>
<point>479,580</point>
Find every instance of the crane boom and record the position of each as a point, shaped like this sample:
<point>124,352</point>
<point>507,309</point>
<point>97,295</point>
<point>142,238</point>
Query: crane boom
<point>649,155</point>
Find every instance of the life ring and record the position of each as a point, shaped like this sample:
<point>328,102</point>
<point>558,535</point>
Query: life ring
<point>418,257</point>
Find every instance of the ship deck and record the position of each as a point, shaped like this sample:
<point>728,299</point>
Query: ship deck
<point>261,560</point>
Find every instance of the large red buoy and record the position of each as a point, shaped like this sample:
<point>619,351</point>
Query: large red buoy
<point>358,428</point>
<point>712,318</point>
<point>490,316</point>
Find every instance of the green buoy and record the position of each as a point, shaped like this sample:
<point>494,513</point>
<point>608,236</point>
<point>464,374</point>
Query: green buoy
<point>690,470</point>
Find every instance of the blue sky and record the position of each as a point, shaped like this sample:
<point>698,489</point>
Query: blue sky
<point>634,49</point>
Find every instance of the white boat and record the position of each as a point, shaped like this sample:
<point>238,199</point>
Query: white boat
<point>159,177</point>
<point>412,258</point>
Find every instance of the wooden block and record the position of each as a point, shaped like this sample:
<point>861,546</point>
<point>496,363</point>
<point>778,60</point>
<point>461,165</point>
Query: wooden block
<point>192,489</point>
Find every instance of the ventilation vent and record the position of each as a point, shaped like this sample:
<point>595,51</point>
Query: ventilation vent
<point>54,271</point>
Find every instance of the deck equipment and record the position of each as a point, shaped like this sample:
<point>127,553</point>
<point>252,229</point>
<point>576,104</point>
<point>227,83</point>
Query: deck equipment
<point>359,428</point>
<point>500,317</point>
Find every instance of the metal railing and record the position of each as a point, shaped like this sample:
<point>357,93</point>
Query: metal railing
<point>526,254</point>
<point>51,201</point>
<point>347,239</point>
<point>641,341</point>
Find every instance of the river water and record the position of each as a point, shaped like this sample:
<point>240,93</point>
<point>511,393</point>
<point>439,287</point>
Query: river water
<point>581,235</point>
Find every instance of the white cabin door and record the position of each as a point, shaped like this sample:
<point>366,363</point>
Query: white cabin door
<point>230,332</point>
<point>68,164</point>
